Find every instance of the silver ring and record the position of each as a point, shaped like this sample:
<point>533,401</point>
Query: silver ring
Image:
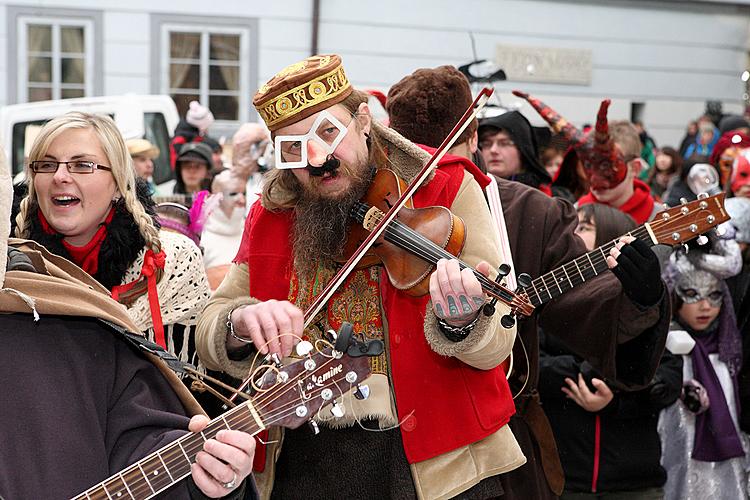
<point>231,484</point>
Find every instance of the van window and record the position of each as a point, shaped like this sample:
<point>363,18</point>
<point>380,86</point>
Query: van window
<point>156,133</point>
<point>19,138</point>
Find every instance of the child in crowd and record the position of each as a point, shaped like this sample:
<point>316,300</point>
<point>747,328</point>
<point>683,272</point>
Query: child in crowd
<point>704,451</point>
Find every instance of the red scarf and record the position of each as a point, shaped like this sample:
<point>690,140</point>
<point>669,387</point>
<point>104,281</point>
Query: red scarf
<point>87,256</point>
<point>640,206</point>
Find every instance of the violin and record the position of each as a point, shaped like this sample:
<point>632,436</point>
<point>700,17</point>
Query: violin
<point>412,243</point>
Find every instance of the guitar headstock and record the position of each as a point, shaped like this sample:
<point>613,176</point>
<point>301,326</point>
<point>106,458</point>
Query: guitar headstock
<point>291,395</point>
<point>685,222</point>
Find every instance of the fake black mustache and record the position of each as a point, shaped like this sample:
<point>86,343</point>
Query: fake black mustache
<point>329,166</point>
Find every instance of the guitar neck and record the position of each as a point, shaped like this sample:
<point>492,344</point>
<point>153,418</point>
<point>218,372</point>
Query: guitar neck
<point>166,466</point>
<point>578,271</point>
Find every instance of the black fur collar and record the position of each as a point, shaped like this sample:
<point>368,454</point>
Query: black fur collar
<point>119,249</point>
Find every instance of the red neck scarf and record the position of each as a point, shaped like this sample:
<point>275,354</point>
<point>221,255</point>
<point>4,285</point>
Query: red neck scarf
<point>87,256</point>
<point>639,206</point>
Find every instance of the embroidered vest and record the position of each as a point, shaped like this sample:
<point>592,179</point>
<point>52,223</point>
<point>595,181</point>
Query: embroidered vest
<point>444,404</point>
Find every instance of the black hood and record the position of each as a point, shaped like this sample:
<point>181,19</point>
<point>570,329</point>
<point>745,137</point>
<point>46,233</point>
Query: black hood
<point>520,131</point>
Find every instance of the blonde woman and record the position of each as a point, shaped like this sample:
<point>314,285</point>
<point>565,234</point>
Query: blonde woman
<point>85,204</point>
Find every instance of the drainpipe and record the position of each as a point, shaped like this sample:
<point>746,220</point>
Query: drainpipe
<point>315,24</point>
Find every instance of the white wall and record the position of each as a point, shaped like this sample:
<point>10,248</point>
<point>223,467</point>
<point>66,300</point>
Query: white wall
<point>670,55</point>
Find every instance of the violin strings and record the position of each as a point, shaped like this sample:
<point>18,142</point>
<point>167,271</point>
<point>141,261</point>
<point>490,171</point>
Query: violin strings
<point>404,236</point>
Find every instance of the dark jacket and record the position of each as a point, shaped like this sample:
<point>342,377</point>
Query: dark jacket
<point>627,453</point>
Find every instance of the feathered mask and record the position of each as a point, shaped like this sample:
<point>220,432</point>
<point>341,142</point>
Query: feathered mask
<point>604,164</point>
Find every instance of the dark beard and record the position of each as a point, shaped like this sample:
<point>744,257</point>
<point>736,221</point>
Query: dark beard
<point>322,224</point>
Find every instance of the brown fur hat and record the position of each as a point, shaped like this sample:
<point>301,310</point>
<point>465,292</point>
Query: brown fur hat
<point>425,106</point>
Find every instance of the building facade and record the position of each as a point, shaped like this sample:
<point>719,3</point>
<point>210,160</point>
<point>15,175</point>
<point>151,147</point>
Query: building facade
<point>659,61</point>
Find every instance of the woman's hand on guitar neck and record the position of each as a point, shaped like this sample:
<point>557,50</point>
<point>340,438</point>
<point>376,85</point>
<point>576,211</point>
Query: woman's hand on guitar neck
<point>456,294</point>
<point>224,462</point>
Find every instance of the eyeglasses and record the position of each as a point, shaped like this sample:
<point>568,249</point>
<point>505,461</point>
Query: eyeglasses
<point>500,143</point>
<point>327,131</point>
<point>74,167</point>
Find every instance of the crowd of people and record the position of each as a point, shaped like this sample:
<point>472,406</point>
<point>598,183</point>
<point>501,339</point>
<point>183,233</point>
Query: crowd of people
<point>629,380</point>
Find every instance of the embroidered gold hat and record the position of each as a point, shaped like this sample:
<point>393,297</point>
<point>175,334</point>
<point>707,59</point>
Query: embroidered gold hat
<point>302,89</point>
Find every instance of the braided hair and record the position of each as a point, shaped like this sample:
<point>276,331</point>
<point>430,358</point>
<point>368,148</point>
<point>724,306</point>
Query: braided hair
<point>120,162</point>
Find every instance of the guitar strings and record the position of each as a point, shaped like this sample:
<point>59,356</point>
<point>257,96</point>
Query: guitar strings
<point>173,453</point>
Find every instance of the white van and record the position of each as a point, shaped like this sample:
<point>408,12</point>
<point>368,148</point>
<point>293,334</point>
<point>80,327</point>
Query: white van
<point>153,117</point>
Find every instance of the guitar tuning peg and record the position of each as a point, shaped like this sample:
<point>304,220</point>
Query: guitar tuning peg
<point>273,358</point>
<point>313,427</point>
<point>703,195</point>
<point>507,321</point>
<point>337,410</point>
<point>362,392</point>
<point>683,201</point>
<point>702,240</point>
<point>331,335</point>
<point>685,248</point>
<point>666,207</point>
<point>720,231</point>
<point>524,280</point>
<point>303,348</point>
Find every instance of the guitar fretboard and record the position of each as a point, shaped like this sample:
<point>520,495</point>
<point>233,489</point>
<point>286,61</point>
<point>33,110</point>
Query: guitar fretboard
<point>569,275</point>
<point>163,468</point>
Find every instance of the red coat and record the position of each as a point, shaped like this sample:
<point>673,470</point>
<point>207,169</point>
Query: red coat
<point>451,404</point>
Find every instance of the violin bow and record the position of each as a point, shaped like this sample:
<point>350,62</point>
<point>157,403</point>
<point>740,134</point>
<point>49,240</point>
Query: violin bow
<point>380,228</point>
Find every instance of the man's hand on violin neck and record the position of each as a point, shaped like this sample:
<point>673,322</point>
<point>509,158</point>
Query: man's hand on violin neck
<point>456,294</point>
<point>273,326</point>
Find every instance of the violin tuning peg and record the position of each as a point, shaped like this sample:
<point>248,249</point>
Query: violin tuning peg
<point>362,392</point>
<point>702,239</point>
<point>303,348</point>
<point>314,427</point>
<point>524,280</point>
<point>489,308</point>
<point>502,272</point>
<point>337,410</point>
<point>507,321</point>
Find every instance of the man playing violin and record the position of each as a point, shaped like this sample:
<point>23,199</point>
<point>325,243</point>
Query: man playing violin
<point>618,326</point>
<point>435,422</point>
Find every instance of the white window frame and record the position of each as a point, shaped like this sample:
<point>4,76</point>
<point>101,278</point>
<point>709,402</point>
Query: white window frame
<point>56,24</point>
<point>203,91</point>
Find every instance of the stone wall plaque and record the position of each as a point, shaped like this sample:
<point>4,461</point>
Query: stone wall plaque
<point>544,64</point>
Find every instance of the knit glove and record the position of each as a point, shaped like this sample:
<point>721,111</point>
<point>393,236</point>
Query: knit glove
<point>639,272</point>
<point>695,397</point>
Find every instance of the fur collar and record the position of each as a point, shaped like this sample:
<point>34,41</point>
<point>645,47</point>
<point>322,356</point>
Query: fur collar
<point>404,157</point>
<point>121,246</point>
